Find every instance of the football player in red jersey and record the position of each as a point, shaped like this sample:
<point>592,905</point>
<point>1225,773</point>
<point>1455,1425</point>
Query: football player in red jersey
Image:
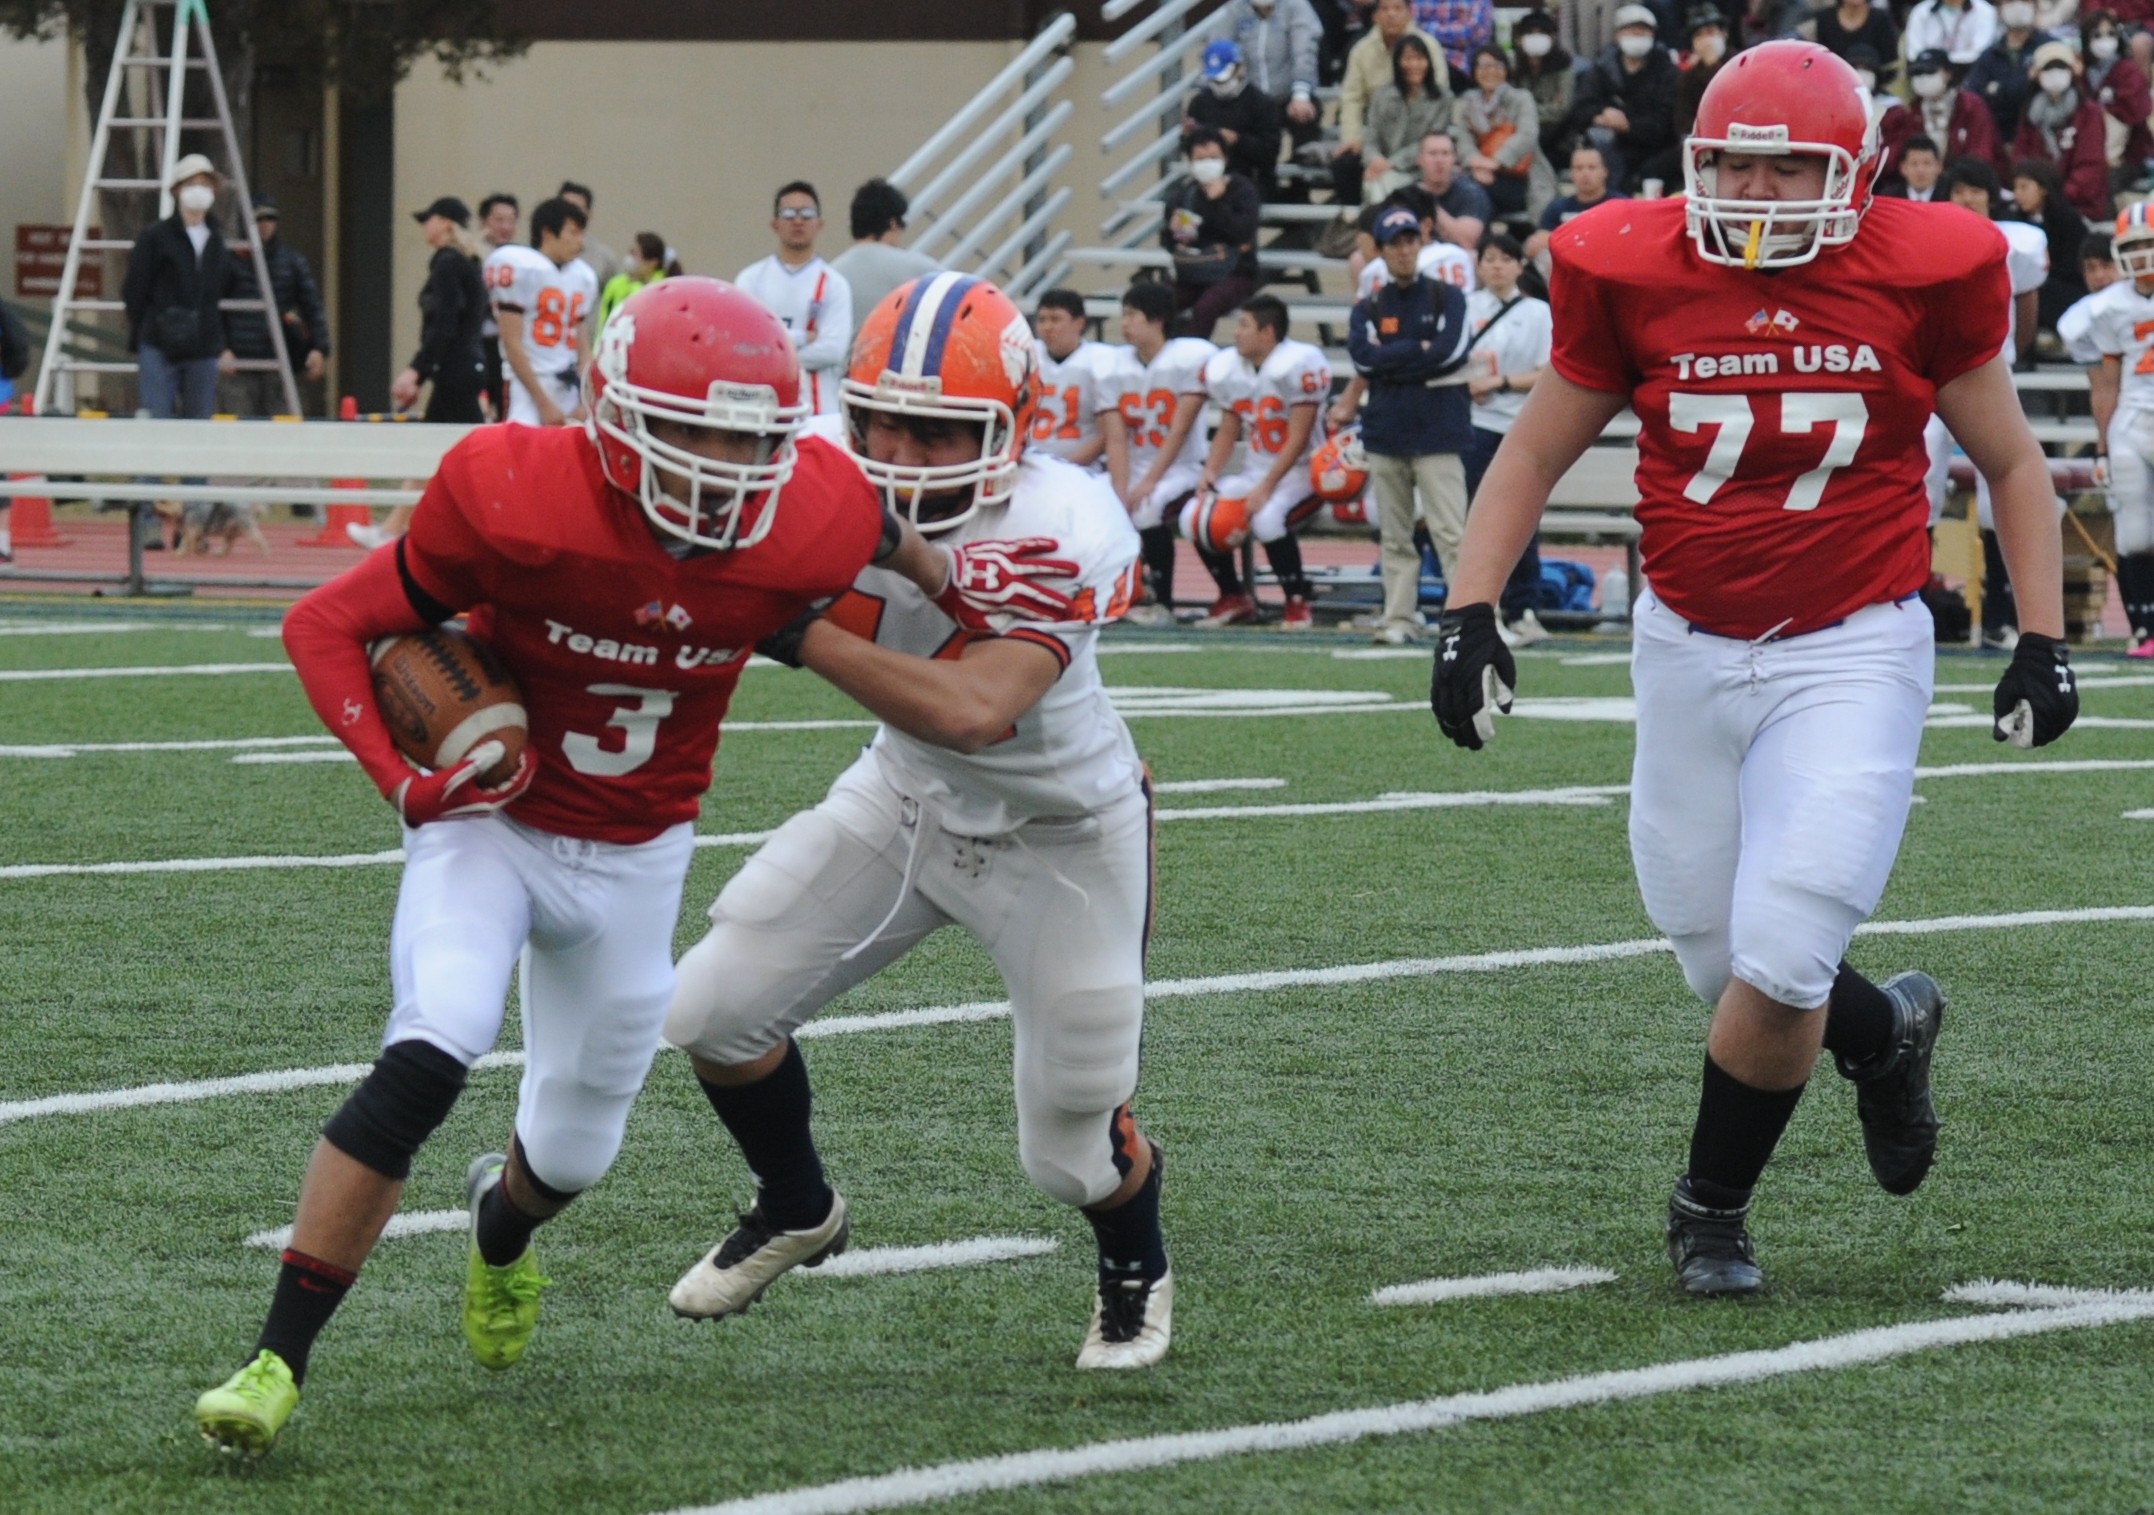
<point>622,571</point>
<point>1782,662</point>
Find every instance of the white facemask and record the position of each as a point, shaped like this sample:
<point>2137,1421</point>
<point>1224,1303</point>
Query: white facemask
<point>2055,81</point>
<point>2103,47</point>
<point>1709,48</point>
<point>1207,170</point>
<point>1928,86</point>
<point>1536,44</point>
<point>197,197</point>
<point>1634,44</point>
<point>1867,80</point>
<point>1229,87</point>
<point>2019,15</point>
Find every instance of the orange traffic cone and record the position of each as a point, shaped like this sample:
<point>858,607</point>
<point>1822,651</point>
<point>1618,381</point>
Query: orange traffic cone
<point>31,520</point>
<point>337,517</point>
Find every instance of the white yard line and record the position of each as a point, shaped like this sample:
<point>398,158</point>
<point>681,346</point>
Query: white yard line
<point>108,628</point>
<point>2056,765</point>
<point>209,1088</point>
<point>205,864</point>
<point>872,1262</point>
<point>325,755</point>
<point>1579,794</point>
<point>2139,815</point>
<point>223,744</point>
<point>1214,786</point>
<point>1024,1470</point>
<point>159,670</point>
<point>1436,1291</point>
<point>1596,660</point>
<point>2084,723</point>
<point>409,1223</point>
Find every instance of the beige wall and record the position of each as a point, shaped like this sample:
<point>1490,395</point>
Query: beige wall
<point>39,107</point>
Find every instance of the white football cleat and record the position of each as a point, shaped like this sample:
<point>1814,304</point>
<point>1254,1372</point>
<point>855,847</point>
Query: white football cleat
<point>369,537</point>
<point>733,1275</point>
<point>1131,1324</point>
<point>1527,630</point>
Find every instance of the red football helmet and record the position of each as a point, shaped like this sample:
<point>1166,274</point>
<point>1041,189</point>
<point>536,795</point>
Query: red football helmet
<point>1217,525</point>
<point>947,347</point>
<point>701,353</point>
<point>1780,99</point>
<point>1339,470</point>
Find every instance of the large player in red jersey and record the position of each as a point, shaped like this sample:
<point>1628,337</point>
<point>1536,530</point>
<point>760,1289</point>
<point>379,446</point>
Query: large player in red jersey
<point>623,572</point>
<point>1782,339</point>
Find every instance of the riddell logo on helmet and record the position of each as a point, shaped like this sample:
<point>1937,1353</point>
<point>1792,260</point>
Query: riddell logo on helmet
<point>1741,135</point>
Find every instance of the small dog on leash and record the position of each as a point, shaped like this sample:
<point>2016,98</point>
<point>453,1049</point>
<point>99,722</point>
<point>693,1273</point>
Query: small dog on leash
<point>201,520</point>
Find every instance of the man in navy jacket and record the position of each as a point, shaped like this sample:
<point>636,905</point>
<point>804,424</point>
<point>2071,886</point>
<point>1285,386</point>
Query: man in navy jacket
<point>1409,340</point>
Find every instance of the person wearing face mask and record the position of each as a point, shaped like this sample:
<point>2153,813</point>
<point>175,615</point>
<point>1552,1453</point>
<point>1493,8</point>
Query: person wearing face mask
<point>1708,50</point>
<point>1541,67</point>
<point>2120,85</point>
<point>176,274</point>
<point>1955,119</point>
<point>2063,125</point>
<point>1961,29</point>
<point>1210,232</point>
<point>1873,74</point>
<point>1853,23</point>
<point>1626,101</point>
<point>2002,76</point>
<point>1248,120</point>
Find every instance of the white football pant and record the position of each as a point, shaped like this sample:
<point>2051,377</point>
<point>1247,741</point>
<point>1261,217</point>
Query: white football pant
<point>1177,482</point>
<point>1291,503</point>
<point>591,926</point>
<point>566,395</point>
<point>1061,906</point>
<point>1771,785</point>
<point>2131,479</point>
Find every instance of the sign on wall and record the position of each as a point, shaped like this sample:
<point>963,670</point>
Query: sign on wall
<point>40,258</point>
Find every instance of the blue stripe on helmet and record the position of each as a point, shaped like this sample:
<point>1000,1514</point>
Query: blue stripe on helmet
<point>945,318</point>
<point>904,326</point>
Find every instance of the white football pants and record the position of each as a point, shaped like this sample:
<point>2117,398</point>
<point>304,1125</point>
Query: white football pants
<point>2131,479</point>
<point>1177,482</point>
<point>1061,905</point>
<point>1293,502</point>
<point>566,394</point>
<point>1770,789</point>
<point>591,926</point>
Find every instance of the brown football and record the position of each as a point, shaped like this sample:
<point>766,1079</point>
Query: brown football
<point>442,694</point>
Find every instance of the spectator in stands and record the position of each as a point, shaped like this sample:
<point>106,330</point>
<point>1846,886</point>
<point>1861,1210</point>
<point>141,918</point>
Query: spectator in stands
<point>1512,335</point>
<point>1401,114</point>
<point>1541,67</point>
<point>498,215</point>
<point>1626,100</point>
<point>2062,124</point>
<point>2038,196</point>
<point>2000,76</point>
<point>1279,40</point>
<point>1589,186</point>
<point>1345,23</point>
<point>1853,23</point>
<point>877,264</point>
<point>1459,26</point>
<point>1497,130</point>
<point>260,392</point>
<point>604,261</point>
<point>1708,50</point>
<point>1960,29</point>
<point>2060,15</point>
<point>2120,84</point>
<point>648,261</point>
<point>807,294</point>
<point>1368,69</point>
<point>1874,74</point>
<point>1411,330</point>
<point>1914,176</point>
<point>1462,206</point>
<point>1247,120</point>
<point>1955,119</point>
<point>1210,231</point>
<point>178,271</point>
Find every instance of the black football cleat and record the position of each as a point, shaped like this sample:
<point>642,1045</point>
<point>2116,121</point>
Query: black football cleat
<point>1892,1090</point>
<point>1710,1248</point>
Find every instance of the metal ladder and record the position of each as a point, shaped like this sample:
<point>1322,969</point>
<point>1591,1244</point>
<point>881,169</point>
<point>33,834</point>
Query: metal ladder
<point>146,91</point>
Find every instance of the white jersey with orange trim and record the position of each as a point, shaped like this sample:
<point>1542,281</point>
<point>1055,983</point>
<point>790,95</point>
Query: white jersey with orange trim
<point>1445,262</point>
<point>816,305</point>
<point>1071,390</point>
<point>1147,395</point>
<point>1264,396</point>
<point>554,300</point>
<point>2121,326</point>
<point>1070,754</point>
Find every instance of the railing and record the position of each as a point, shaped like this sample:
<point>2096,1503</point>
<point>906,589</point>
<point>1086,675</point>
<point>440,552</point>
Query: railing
<point>1153,56</point>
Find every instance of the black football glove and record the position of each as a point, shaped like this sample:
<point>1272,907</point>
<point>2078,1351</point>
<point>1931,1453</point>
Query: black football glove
<point>783,645</point>
<point>1473,677</point>
<point>2037,699</point>
<point>893,534</point>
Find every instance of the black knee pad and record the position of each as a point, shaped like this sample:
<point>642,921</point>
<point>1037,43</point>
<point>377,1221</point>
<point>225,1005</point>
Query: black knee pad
<point>396,1107</point>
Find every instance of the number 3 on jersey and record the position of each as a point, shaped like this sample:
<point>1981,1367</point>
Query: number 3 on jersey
<point>1734,418</point>
<point>638,724</point>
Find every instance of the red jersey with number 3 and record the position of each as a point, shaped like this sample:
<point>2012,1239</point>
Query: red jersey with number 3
<point>1780,454</point>
<point>627,655</point>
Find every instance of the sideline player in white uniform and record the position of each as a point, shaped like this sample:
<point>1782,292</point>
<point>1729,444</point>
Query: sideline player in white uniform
<point>542,297</point>
<point>1783,659</point>
<point>1072,381</point>
<point>2075,327</point>
<point>1271,391</point>
<point>1002,794</point>
<point>1150,405</point>
<point>2122,331</point>
<point>806,293</point>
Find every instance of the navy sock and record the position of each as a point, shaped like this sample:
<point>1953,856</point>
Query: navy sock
<point>1131,1244</point>
<point>769,1121</point>
<point>1737,1129</point>
<point>307,1294</point>
<point>1858,1018</point>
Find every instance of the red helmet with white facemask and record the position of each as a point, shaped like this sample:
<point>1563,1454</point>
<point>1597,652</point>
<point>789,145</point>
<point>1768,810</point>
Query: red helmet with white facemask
<point>1780,99</point>
<point>700,353</point>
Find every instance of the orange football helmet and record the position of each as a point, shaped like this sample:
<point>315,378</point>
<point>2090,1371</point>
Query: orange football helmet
<point>946,347</point>
<point>1339,470</point>
<point>1216,525</point>
<point>2134,246</point>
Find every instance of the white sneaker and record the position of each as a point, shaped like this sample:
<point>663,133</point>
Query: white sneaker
<point>369,537</point>
<point>1505,634</point>
<point>733,1275</point>
<point>1131,1324</point>
<point>1150,613</point>
<point>1395,635</point>
<point>1527,630</point>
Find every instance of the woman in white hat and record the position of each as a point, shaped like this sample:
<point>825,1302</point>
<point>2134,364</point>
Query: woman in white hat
<point>175,276</point>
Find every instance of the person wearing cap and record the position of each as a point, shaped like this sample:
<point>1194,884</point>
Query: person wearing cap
<point>1850,24</point>
<point>1708,50</point>
<point>2063,124</point>
<point>1955,119</point>
<point>452,309</point>
<point>2002,76</point>
<point>1408,340</point>
<point>177,272</point>
<point>1960,29</point>
<point>1874,74</point>
<point>1368,69</point>
<point>1626,101</point>
<point>1248,121</point>
<point>260,391</point>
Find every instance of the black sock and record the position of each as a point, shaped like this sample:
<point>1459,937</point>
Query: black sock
<point>308,1293</point>
<point>769,1121</point>
<point>1158,549</point>
<point>1998,607</point>
<point>504,1230</point>
<point>1284,556</point>
<point>1223,571</point>
<point>1130,1242</point>
<point>1737,1129</point>
<point>2135,586</point>
<point>1858,1018</point>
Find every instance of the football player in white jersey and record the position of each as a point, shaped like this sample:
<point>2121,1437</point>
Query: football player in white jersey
<point>1150,404</point>
<point>542,297</point>
<point>1271,393</point>
<point>1072,378</point>
<point>807,294</point>
<point>2075,328</point>
<point>2122,331</point>
<point>1002,793</point>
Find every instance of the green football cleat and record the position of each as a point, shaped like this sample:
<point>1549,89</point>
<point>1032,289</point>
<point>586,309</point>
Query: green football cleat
<point>243,1415</point>
<point>500,1304</point>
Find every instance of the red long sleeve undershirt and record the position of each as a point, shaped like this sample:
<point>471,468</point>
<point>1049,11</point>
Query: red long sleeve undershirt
<point>327,635</point>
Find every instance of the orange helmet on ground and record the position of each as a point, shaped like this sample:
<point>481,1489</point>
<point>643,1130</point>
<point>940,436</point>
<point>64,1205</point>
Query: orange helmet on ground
<point>1216,525</point>
<point>1339,470</point>
<point>946,347</point>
